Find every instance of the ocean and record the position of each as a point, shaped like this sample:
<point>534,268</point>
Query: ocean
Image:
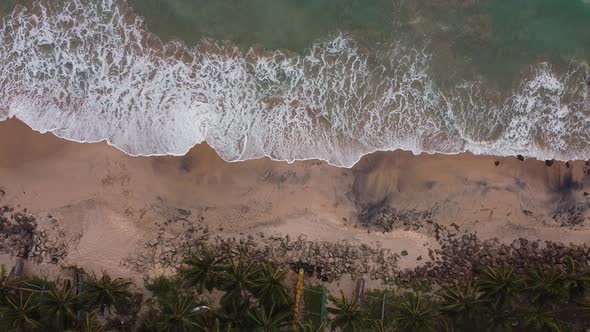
<point>302,79</point>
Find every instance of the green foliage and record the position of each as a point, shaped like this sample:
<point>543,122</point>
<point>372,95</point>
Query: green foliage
<point>270,319</point>
<point>202,270</point>
<point>237,281</point>
<point>547,284</point>
<point>415,313</point>
<point>540,318</point>
<point>347,315</point>
<point>499,285</point>
<point>20,313</point>
<point>269,286</point>
<point>179,315</point>
<point>166,288</point>
<point>89,323</point>
<point>463,305</point>
<point>57,305</point>
<point>105,292</point>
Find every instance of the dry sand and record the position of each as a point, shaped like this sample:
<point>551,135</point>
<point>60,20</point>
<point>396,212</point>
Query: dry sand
<point>107,202</point>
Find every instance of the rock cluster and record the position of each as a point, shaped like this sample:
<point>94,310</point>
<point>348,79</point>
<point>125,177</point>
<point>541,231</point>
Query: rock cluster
<point>20,236</point>
<point>461,254</point>
<point>179,238</point>
<point>387,218</point>
<point>573,215</point>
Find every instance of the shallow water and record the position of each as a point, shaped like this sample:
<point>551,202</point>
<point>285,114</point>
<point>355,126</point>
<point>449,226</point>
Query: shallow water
<point>300,79</point>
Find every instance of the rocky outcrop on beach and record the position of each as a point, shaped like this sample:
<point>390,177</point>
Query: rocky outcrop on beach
<point>182,236</point>
<point>386,218</point>
<point>462,253</point>
<point>21,236</point>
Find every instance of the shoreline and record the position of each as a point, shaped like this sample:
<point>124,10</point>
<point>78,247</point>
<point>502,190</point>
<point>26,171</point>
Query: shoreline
<point>466,151</point>
<point>108,204</point>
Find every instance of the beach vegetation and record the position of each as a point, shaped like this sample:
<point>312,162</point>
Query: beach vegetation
<point>232,292</point>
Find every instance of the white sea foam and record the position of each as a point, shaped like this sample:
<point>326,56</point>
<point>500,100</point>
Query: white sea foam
<point>89,71</point>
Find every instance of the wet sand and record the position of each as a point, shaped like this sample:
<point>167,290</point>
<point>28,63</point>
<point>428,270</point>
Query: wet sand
<point>108,203</point>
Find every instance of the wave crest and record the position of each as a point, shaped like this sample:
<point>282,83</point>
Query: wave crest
<point>89,71</point>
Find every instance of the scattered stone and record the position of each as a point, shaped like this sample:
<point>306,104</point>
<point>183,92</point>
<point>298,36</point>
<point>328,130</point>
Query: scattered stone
<point>404,253</point>
<point>520,157</point>
<point>549,163</point>
<point>496,162</point>
<point>419,258</point>
<point>567,164</point>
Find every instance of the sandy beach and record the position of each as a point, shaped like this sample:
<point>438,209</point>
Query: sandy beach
<point>107,203</point>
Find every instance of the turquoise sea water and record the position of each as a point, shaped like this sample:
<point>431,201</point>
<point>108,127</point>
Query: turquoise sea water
<point>298,79</point>
<point>498,37</point>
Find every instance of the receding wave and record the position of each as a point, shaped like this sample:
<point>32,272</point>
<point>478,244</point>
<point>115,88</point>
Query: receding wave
<point>89,71</point>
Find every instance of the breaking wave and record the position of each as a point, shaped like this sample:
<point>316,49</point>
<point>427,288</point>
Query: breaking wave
<point>89,71</point>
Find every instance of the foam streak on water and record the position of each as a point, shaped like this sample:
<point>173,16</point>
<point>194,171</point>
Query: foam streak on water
<point>88,71</point>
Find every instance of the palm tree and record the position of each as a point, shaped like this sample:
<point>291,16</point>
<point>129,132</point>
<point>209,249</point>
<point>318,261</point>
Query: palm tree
<point>414,314</point>
<point>308,327</point>
<point>89,324</point>
<point>347,315</point>
<point>269,286</point>
<point>10,284</point>
<point>202,271</point>
<point>219,326</point>
<point>106,292</point>
<point>583,306</point>
<point>464,304</point>
<point>379,326</point>
<point>499,285</point>
<point>19,313</point>
<point>547,284</point>
<point>540,318</point>
<point>165,288</point>
<point>179,315</point>
<point>237,281</point>
<point>496,318</point>
<point>268,320</point>
<point>58,305</point>
<point>578,279</point>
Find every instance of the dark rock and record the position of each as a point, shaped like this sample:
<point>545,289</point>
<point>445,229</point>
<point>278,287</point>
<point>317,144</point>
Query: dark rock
<point>419,258</point>
<point>520,157</point>
<point>404,253</point>
<point>567,164</point>
<point>549,163</point>
<point>496,163</point>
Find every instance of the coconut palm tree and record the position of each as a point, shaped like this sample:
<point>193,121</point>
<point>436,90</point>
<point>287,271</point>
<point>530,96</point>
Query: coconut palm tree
<point>540,318</point>
<point>202,270</point>
<point>497,318</point>
<point>237,281</point>
<point>379,326</point>
<point>499,285</point>
<point>19,313</point>
<point>547,284</point>
<point>347,315</point>
<point>463,304</point>
<point>308,327</point>
<point>57,305</point>
<point>10,284</point>
<point>89,323</point>
<point>179,315</point>
<point>578,279</point>
<point>269,286</point>
<point>414,314</point>
<point>106,292</point>
<point>269,320</point>
<point>583,306</point>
